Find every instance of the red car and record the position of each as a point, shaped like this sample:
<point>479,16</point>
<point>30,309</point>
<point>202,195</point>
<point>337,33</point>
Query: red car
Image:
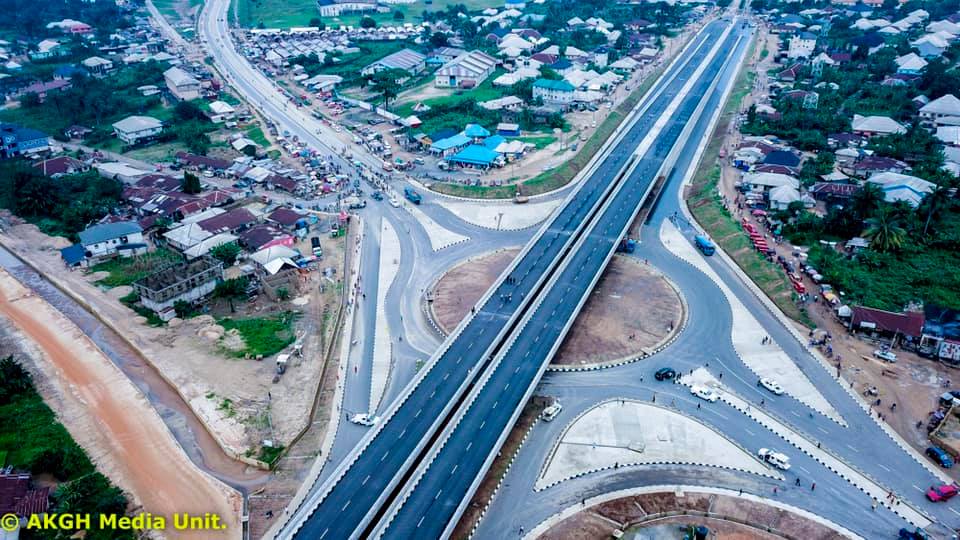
<point>942,493</point>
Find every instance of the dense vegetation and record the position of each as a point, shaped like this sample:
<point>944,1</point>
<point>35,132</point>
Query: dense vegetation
<point>32,439</point>
<point>30,20</point>
<point>59,206</point>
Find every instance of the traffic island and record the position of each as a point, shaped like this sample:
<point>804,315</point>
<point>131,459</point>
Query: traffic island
<point>611,328</point>
<point>660,512</point>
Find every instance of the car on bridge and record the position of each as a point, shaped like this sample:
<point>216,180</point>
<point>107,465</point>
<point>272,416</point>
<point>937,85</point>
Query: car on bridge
<point>771,385</point>
<point>702,392</point>
<point>940,457</point>
<point>778,460</point>
<point>942,493</point>
<point>665,374</point>
<point>364,419</point>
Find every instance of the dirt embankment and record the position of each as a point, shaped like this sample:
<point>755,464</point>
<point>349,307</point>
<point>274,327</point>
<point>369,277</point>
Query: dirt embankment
<point>111,419</point>
<point>233,397</point>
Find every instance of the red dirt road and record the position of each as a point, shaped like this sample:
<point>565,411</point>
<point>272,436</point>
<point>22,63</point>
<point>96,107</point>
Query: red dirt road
<point>115,424</point>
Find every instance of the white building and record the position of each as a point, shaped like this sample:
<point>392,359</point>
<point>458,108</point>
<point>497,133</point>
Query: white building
<point>181,84</point>
<point>944,110</point>
<point>553,92</point>
<point>876,125</point>
<point>468,70</point>
<point>97,66</point>
<point>108,239</point>
<point>802,45</point>
<point>902,187</point>
<point>134,129</point>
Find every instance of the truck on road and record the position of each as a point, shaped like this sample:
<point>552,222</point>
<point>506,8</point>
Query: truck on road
<point>412,195</point>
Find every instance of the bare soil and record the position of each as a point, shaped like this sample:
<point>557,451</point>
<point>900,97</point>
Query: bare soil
<point>629,514</point>
<point>109,417</point>
<point>610,327</point>
<point>200,367</point>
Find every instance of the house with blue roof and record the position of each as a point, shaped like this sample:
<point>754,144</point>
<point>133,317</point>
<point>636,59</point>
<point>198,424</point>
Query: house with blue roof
<point>124,238</point>
<point>450,145</point>
<point>475,132</point>
<point>494,141</point>
<point>477,157</point>
<point>18,140</point>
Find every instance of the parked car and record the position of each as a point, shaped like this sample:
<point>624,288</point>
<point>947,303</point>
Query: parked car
<point>778,460</point>
<point>665,374</point>
<point>885,355</point>
<point>552,411</point>
<point>702,392</point>
<point>377,196</point>
<point>942,493</point>
<point>940,457</point>
<point>771,385</point>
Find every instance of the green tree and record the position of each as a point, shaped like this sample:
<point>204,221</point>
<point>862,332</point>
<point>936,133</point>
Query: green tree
<point>438,39</point>
<point>190,183</point>
<point>231,289</point>
<point>368,22</point>
<point>398,15</point>
<point>867,200</point>
<point>188,110</point>
<point>226,253</point>
<point>30,100</point>
<point>386,83</point>
<point>934,203</point>
<point>283,294</point>
<point>183,309</point>
<point>885,231</point>
<point>14,380</point>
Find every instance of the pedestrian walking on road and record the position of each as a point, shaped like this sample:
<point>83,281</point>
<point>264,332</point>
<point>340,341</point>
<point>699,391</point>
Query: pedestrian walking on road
<point>774,490</point>
<point>721,375</point>
<point>874,506</point>
<point>698,406</point>
<point>798,481</point>
<point>813,486</point>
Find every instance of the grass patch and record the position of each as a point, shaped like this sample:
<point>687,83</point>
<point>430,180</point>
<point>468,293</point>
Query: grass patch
<point>541,141</point>
<point>270,454</point>
<point>124,271</point>
<point>262,335</point>
<point>255,134</point>
<point>289,13</point>
<point>707,208</point>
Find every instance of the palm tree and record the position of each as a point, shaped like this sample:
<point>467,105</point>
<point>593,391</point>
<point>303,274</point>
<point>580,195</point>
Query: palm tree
<point>867,200</point>
<point>933,203</point>
<point>885,231</point>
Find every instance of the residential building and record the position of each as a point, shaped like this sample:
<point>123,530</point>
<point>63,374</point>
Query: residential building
<point>186,282</point>
<point>181,84</point>
<point>408,60</point>
<point>902,187</point>
<point>136,129</point>
<point>97,66</point>
<point>233,221</point>
<point>43,89</point>
<point>553,92</point>
<point>123,238</point>
<point>868,126</point>
<point>17,141</point>
<point>61,165</point>
<point>334,8</point>
<point>768,181</point>
<point>802,45</point>
<point>910,64</point>
<point>468,70</point>
<point>944,110</point>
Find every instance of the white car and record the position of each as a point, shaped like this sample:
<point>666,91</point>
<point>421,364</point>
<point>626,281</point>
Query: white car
<point>394,203</point>
<point>703,392</point>
<point>885,355</point>
<point>552,411</point>
<point>364,419</point>
<point>778,460</point>
<point>772,386</point>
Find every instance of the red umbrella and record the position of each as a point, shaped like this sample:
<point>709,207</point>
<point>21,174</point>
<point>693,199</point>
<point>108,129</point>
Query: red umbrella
<point>759,212</point>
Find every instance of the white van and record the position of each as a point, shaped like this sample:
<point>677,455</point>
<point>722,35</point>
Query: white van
<point>552,411</point>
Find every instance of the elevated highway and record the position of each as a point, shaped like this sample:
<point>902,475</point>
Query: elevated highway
<point>447,478</point>
<point>352,500</point>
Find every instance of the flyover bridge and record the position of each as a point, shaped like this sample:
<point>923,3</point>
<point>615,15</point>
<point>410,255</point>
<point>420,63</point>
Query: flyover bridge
<point>532,301</point>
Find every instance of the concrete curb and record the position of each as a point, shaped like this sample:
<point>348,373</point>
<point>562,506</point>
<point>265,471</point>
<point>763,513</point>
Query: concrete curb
<point>581,474</point>
<point>788,323</point>
<point>570,511</point>
<point>659,347</point>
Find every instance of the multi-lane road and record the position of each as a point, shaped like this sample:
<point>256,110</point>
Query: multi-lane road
<point>493,350</point>
<point>352,497</point>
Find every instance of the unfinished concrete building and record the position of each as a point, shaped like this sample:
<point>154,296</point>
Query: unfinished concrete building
<point>187,281</point>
